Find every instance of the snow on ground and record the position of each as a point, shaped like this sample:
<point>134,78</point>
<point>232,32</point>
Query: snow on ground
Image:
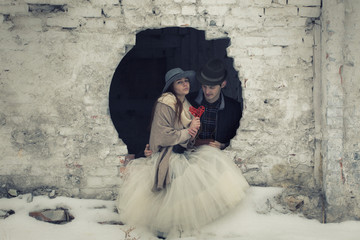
<point>244,223</point>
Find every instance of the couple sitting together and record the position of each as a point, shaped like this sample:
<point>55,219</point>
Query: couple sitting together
<point>185,181</point>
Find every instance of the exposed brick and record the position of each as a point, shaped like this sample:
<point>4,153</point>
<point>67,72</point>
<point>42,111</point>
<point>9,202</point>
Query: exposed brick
<point>103,171</point>
<point>94,23</point>
<point>335,134</point>
<point>110,181</point>
<point>168,20</point>
<point>136,3</point>
<point>255,51</point>
<point>283,32</point>
<point>85,12</point>
<point>200,21</point>
<point>334,112</point>
<point>214,35</point>
<point>51,2</point>
<point>104,2</point>
<point>217,2</point>
<point>272,51</point>
<point>284,11</point>
<point>285,41</point>
<point>25,22</point>
<point>308,40</point>
<point>96,193</point>
<point>14,9</point>
<point>262,3</point>
<point>226,1</point>
<point>188,10</point>
<point>304,2</point>
<point>334,123</point>
<point>250,41</point>
<point>111,24</point>
<point>231,21</point>
<point>303,53</point>
<point>309,12</point>
<point>209,2</point>
<point>246,12</point>
<point>173,10</point>
<point>64,22</point>
<point>112,11</point>
<point>182,21</point>
<point>237,51</point>
<point>269,51</point>
<point>296,22</point>
<point>94,182</point>
<point>6,2</point>
<point>282,2</point>
<point>217,10</point>
<point>275,22</point>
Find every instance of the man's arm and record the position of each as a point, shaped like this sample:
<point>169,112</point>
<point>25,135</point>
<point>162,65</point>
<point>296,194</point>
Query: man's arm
<point>147,151</point>
<point>218,145</point>
<point>210,142</point>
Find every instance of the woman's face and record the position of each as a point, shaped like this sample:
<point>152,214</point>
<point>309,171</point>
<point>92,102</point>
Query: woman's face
<point>181,87</point>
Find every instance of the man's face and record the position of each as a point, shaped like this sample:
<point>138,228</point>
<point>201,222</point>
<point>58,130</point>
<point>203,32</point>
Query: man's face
<point>212,93</point>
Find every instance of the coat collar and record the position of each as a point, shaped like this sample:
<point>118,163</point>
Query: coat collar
<point>200,97</point>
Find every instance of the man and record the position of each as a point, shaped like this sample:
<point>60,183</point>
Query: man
<point>222,114</point>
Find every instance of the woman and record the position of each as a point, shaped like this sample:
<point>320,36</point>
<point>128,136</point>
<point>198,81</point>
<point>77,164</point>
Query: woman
<point>178,189</point>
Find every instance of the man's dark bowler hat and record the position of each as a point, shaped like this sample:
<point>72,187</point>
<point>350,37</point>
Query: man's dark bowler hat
<point>212,73</point>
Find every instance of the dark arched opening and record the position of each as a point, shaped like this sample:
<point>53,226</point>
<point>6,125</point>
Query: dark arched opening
<point>139,78</point>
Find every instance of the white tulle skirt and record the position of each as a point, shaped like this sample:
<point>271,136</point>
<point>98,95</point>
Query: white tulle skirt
<point>205,184</point>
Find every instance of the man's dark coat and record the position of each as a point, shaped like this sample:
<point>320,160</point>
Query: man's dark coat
<point>228,117</point>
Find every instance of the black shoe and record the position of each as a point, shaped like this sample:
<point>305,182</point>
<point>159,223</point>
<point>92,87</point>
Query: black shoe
<point>160,235</point>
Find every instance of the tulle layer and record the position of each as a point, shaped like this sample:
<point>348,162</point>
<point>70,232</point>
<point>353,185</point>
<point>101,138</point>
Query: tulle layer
<point>205,184</point>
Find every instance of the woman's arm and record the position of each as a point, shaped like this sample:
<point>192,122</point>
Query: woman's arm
<point>163,130</point>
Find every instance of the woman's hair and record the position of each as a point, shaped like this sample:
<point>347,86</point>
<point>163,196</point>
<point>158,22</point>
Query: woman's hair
<point>178,105</point>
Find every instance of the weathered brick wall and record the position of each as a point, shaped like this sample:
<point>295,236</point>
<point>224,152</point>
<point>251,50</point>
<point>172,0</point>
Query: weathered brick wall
<point>59,57</point>
<point>351,78</point>
<point>57,62</point>
<point>340,109</point>
<point>272,45</point>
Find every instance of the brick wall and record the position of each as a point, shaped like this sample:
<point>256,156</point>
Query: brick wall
<point>340,109</point>
<point>57,62</point>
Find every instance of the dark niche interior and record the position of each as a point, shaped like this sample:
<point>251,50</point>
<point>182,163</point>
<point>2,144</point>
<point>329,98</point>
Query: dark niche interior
<point>139,77</point>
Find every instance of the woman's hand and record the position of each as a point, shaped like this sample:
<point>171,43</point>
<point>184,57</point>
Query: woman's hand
<point>194,127</point>
<point>192,132</point>
<point>195,123</point>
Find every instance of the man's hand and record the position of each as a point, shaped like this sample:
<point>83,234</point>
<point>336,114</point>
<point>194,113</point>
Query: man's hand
<point>147,151</point>
<point>217,144</point>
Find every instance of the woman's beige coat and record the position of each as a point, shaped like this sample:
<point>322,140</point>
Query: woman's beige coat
<point>166,131</point>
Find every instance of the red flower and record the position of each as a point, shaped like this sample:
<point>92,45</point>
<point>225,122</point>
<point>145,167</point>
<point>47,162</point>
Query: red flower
<point>197,112</point>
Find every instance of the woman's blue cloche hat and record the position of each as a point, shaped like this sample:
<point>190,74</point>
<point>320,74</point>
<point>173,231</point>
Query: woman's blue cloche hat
<point>176,74</point>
